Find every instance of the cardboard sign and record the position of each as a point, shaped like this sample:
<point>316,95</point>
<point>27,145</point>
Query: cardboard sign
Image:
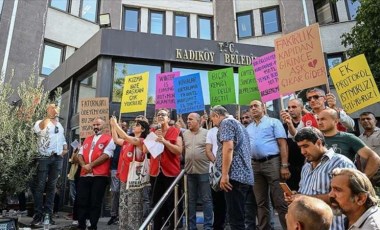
<point>188,94</point>
<point>165,90</point>
<point>89,109</point>
<point>355,84</point>
<point>248,90</point>
<point>300,60</point>
<point>135,93</point>
<point>222,87</point>
<point>267,76</point>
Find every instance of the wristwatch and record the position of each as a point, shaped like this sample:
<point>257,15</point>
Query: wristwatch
<point>285,165</point>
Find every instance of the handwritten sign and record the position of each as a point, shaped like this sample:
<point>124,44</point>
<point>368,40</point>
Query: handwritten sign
<point>300,60</point>
<point>267,76</point>
<point>165,90</point>
<point>355,84</point>
<point>248,90</point>
<point>188,94</point>
<point>222,87</point>
<point>89,109</point>
<point>135,93</point>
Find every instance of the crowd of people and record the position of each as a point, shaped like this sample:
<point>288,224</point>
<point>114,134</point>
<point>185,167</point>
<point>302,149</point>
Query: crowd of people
<point>333,175</point>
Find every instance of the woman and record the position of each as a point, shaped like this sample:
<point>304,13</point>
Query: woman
<point>165,167</point>
<point>130,203</point>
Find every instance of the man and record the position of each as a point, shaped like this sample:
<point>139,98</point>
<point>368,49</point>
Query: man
<point>317,99</point>
<point>94,158</point>
<point>346,143</point>
<point>246,118</point>
<point>315,176</point>
<point>52,147</point>
<point>308,213</point>
<point>270,163</point>
<point>292,119</point>
<point>197,169</point>
<point>115,182</point>
<point>234,161</point>
<point>352,194</point>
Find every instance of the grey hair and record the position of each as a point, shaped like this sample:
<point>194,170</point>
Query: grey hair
<point>318,90</point>
<point>220,110</point>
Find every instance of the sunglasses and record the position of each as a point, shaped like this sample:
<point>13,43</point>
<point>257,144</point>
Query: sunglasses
<point>315,97</point>
<point>293,107</point>
<point>56,129</point>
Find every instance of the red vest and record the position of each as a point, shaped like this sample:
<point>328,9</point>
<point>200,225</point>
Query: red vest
<point>126,157</point>
<point>167,161</point>
<point>100,145</point>
<point>309,120</point>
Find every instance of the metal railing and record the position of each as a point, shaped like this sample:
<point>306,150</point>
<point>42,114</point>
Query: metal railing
<point>147,224</point>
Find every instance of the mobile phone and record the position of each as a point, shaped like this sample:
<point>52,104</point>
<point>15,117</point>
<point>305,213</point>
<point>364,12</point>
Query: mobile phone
<point>286,189</point>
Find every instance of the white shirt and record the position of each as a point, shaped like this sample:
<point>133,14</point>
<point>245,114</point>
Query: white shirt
<point>211,139</point>
<point>50,141</point>
<point>368,221</point>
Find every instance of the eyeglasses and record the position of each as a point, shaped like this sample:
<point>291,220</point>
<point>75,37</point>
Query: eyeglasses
<point>56,130</point>
<point>162,114</point>
<point>254,106</point>
<point>315,97</point>
<point>293,107</point>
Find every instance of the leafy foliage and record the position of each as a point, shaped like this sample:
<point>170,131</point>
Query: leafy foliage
<point>18,143</point>
<point>364,37</point>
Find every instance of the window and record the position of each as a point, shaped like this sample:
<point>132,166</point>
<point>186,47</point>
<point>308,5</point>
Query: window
<point>325,11</point>
<point>244,23</point>
<point>60,4</point>
<point>205,28</point>
<point>352,8</point>
<point>271,20</point>
<point>181,25</point>
<point>123,69</point>
<point>53,56</point>
<point>157,22</point>
<point>89,10</point>
<point>1,6</point>
<point>334,59</point>
<point>87,87</point>
<point>131,19</point>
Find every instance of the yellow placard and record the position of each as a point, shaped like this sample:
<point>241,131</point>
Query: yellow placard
<point>300,60</point>
<point>135,93</point>
<point>355,84</point>
<point>89,109</point>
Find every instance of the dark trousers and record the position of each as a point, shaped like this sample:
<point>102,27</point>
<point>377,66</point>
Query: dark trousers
<point>159,186</point>
<point>235,201</point>
<point>219,207</point>
<point>89,199</point>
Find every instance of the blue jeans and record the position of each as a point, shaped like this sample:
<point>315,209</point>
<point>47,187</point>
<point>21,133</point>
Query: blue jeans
<point>200,184</point>
<point>45,180</point>
<point>235,201</point>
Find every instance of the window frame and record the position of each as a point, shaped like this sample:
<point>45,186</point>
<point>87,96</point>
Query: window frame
<point>211,27</point>
<point>68,6</point>
<point>96,13</point>
<point>125,8</point>
<point>250,13</point>
<point>334,55</point>
<point>333,11</point>
<point>55,45</point>
<point>163,21</point>
<point>187,24</point>
<point>264,10</point>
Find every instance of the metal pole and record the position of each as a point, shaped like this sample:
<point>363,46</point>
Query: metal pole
<point>305,12</point>
<point>186,202</point>
<point>176,205</point>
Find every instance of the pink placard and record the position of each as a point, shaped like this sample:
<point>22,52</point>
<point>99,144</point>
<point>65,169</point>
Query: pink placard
<point>165,90</point>
<point>267,77</point>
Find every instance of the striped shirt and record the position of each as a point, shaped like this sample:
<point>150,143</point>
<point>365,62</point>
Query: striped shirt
<point>317,181</point>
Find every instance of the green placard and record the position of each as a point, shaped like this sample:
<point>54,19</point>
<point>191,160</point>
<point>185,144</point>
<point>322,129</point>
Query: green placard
<point>222,87</point>
<point>248,89</point>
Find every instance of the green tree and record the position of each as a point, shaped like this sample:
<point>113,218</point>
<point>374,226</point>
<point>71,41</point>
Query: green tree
<point>364,37</point>
<point>18,143</point>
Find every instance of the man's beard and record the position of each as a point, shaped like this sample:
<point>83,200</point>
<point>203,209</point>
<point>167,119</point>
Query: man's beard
<point>96,131</point>
<point>336,209</point>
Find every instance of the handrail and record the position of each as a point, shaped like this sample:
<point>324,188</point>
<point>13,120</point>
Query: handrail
<point>161,201</point>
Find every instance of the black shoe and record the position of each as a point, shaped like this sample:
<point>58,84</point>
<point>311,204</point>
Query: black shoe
<point>51,221</point>
<point>37,220</point>
<point>112,220</point>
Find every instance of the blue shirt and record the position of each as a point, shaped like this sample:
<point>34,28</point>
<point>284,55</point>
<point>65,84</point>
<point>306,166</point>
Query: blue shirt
<point>263,137</point>
<point>241,168</point>
<point>317,181</point>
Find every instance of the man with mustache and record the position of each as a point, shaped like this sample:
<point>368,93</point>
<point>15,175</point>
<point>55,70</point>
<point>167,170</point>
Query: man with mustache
<point>94,158</point>
<point>315,175</point>
<point>352,194</point>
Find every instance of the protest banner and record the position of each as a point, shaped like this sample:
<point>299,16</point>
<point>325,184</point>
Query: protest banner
<point>355,84</point>
<point>89,109</point>
<point>135,93</point>
<point>300,60</point>
<point>165,90</point>
<point>248,89</point>
<point>222,87</point>
<point>267,76</point>
<point>188,93</point>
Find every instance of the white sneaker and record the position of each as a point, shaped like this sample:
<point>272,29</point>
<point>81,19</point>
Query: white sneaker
<point>88,224</point>
<point>75,222</point>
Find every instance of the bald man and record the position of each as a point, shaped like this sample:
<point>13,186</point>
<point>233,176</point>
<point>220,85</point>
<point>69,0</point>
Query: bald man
<point>308,213</point>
